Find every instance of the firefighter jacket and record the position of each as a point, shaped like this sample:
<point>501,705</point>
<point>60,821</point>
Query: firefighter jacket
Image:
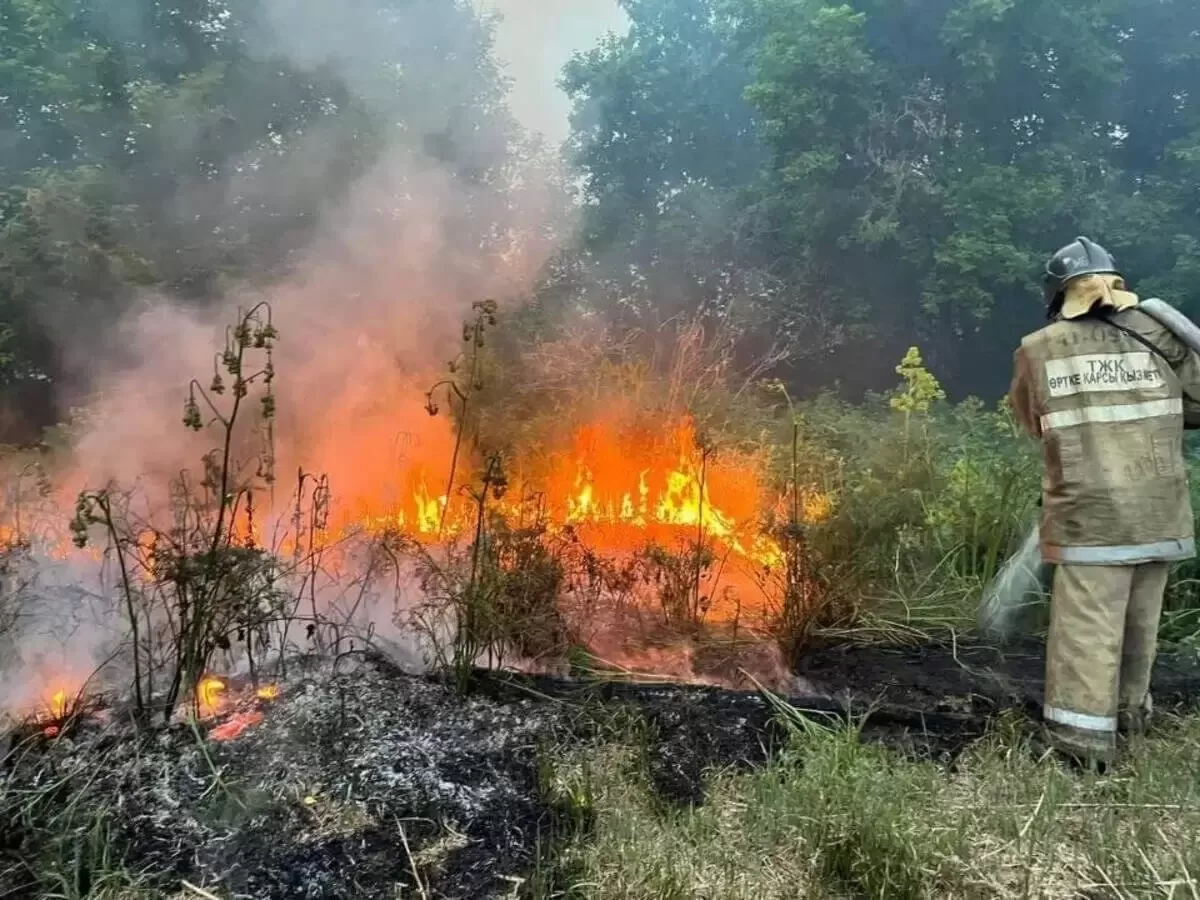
<point>1106,397</point>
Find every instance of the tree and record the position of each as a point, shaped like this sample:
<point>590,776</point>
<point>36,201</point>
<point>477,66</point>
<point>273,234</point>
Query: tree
<point>906,167</point>
<point>668,147</point>
<point>948,148</point>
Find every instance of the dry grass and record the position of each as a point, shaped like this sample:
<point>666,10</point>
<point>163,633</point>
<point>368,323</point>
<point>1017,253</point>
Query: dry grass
<point>838,818</point>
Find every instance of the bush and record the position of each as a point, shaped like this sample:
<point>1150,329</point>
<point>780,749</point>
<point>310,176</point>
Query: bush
<point>926,499</point>
<point>497,597</point>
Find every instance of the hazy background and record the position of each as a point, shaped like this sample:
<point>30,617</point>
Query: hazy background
<point>534,40</point>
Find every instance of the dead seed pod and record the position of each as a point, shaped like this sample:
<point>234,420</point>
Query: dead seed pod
<point>191,413</point>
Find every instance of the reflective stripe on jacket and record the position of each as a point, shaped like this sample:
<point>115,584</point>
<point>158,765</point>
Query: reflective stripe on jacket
<point>1110,415</point>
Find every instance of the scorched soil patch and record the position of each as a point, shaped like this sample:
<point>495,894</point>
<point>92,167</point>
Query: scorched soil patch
<point>358,776</point>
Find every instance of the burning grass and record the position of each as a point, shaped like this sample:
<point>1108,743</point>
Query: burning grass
<point>645,530</point>
<point>641,541</point>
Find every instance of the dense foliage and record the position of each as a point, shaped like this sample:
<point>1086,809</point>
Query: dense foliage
<point>834,180</point>
<point>874,172</point>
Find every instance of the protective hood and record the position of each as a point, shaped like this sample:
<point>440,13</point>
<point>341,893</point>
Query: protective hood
<point>1094,292</point>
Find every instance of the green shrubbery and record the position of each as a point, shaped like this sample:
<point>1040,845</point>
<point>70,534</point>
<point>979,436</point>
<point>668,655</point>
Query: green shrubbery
<point>928,497</point>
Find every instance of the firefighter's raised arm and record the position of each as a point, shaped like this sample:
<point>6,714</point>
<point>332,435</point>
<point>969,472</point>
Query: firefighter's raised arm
<point>1173,334</point>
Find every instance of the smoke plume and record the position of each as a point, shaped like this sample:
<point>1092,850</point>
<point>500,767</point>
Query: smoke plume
<point>457,206</point>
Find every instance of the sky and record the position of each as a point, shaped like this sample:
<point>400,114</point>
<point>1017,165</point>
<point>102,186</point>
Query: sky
<point>535,39</point>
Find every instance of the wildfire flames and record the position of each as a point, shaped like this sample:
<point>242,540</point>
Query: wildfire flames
<point>212,702</point>
<point>621,488</point>
<point>211,698</point>
<point>55,709</point>
<point>617,488</point>
<point>209,694</point>
<point>56,706</point>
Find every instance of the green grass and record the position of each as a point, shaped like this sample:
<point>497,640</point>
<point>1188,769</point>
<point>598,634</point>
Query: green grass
<point>835,817</point>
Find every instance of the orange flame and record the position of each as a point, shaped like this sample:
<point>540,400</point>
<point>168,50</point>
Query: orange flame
<point>56,706</point>
<point>624,487</point>
<point>617,487</point>
<point>209,695</point>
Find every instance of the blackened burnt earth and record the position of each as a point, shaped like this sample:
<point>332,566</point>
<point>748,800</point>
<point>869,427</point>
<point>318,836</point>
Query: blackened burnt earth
<point>358,776</point>
<point>317,801</point>
<point>976,679</point>
<point>930,701</point>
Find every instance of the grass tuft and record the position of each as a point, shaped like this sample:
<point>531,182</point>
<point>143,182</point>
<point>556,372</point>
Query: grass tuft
<point>833,816</point>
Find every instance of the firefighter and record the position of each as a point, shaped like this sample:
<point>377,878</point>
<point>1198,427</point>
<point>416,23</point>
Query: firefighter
<point>1103,387</point>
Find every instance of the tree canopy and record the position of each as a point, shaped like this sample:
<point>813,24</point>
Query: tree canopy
<point>836,181</point>
<point>180,145</point>
<point>903,167</point>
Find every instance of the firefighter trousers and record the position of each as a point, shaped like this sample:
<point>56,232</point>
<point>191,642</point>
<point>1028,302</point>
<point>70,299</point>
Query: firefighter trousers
<point>1100,651</point>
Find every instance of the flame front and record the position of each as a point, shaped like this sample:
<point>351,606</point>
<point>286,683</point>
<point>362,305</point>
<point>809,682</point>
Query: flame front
<point>56,706</point>
<point>622,487</point>
<point>616,486</point>
<point>627,487</point>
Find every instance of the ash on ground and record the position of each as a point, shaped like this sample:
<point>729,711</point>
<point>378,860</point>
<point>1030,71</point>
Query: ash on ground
<point>361,779</point>
<point>352,781</point>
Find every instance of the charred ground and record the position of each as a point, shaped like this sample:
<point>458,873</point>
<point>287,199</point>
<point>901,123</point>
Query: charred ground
<point>364,781</point>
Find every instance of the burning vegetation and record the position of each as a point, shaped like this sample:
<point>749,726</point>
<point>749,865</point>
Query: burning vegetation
<point>552,545</point>
<point>259,635</point>
<point>347,580</point>
<point>620,487</point>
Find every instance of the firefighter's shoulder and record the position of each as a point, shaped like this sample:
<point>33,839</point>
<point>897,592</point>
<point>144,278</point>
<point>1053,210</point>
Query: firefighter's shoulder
<point>1058,330</point>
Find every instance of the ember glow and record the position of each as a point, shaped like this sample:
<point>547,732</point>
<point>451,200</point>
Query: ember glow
<point>214,699</point>
<point>236,725</point>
